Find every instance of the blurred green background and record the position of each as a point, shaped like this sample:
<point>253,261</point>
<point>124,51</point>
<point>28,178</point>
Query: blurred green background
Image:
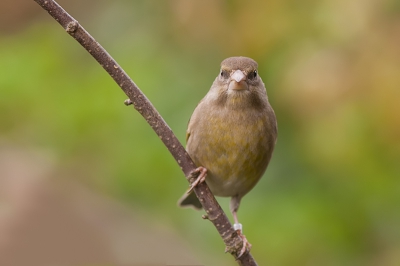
<point>331,195</point>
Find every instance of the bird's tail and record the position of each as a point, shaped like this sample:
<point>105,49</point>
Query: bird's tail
<point>190,200</point>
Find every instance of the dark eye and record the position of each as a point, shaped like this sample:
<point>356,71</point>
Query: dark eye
<point>224,74</point>
<point>253,74</point>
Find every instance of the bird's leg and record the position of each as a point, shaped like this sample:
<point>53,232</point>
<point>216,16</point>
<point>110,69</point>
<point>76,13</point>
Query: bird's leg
<point>234,206</point>
<point>202,173</point>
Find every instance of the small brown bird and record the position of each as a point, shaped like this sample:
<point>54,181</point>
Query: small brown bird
<point>232,134</point>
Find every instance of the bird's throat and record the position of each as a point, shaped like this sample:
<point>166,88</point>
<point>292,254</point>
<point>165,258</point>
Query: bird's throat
<point>238,86</point>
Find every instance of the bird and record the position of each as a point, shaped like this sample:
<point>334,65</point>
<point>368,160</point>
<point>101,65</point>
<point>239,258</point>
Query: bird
<point>231,136</point>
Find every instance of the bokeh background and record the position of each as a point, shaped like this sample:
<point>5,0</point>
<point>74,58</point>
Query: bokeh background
<point>84,180</point>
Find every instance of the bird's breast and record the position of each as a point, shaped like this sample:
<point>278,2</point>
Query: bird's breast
<point>235,147</point>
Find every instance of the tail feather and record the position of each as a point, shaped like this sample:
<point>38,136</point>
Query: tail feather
<point>190,200</point>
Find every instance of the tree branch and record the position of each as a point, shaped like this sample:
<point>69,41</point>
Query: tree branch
<point>214,211</point>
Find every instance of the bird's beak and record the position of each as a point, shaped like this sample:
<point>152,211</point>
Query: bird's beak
<point>238,76</point>
<point>238,81</point>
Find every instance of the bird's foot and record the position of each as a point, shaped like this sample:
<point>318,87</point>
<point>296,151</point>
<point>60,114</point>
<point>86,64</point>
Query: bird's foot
<point>202,173</point>
<point>246,245</point>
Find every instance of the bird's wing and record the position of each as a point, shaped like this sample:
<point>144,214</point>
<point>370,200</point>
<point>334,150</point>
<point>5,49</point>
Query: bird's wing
<point>192,121</point>
<point>187,134</point>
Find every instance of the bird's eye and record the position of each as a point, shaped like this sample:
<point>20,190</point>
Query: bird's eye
<point>224,74</point>
<point>253,74</point>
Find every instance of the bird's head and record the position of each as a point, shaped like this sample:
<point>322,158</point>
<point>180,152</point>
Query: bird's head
<point>238,83</point>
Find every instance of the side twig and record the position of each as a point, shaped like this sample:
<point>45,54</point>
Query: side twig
<point>214,211</point>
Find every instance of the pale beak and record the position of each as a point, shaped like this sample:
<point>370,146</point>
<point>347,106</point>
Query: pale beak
<point>238,81</point>
<point>238,76</point>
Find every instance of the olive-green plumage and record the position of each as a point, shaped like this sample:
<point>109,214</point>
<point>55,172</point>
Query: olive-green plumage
<point>232,132</point>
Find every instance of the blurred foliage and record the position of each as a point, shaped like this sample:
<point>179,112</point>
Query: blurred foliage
<point>331,195</point>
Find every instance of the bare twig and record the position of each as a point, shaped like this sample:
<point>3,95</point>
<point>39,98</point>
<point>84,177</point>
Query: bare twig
<point>214,212</point>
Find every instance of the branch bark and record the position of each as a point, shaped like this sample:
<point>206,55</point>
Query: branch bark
<point>140,102</point>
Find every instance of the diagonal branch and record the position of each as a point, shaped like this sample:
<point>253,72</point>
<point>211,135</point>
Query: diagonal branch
<point>214,211</point>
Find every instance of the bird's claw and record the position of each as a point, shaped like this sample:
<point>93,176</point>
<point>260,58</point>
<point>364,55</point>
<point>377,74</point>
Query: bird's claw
<point>202,173</point>
<point>246,245</point>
